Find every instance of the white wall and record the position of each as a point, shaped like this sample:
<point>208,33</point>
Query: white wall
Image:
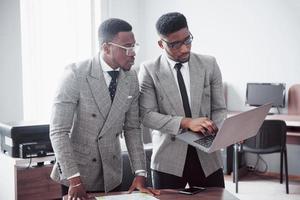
<point>131,11</point>
<point>253,41</point>
<point>11,104</point>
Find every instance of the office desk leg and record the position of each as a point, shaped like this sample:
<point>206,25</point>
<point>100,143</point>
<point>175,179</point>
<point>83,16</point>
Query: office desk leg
<point>236,149</point>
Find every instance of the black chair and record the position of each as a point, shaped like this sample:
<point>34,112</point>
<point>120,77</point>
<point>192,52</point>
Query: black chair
<point>271,138</point>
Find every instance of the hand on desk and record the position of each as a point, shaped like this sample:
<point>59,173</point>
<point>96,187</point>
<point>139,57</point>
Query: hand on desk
<point>77,190</point>
<point>79,194</point>
<point>139,183</point>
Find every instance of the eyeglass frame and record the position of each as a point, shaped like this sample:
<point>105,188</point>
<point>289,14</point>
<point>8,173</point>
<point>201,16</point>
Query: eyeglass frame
<point>187,41</point>
<point>133,49</point>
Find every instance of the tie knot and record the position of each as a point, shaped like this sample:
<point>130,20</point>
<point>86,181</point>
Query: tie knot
<point>178,66</point>
<point>113,74</point>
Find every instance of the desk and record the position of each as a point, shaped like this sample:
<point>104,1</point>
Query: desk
<point>290,120</point>
<point>293,127</point>
<point>18,181</point>
<point>208,194</point>
<point>292,123</point>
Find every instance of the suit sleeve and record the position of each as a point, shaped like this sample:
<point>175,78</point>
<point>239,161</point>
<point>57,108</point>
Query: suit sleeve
<point>149,110</point>
<point>132,132</point>
<point>61,121</point>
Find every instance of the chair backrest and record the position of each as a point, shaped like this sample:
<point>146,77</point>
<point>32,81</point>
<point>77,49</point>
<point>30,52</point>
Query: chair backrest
<point>294,99</point>
<point>271,137</point>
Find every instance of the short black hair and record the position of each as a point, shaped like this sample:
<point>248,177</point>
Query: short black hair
<point>110,28</point>
<point>170,23</point>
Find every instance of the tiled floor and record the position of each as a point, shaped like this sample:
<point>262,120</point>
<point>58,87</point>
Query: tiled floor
<point>263,187</point>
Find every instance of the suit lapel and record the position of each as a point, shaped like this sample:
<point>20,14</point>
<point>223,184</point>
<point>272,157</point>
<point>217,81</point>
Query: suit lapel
<point>117,107</point>
<point>99,88</point>
<point>197,74</point>
<point>122,92</point>
<point>167,80</point>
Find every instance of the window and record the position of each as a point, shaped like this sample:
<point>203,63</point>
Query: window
<point>54,33</point>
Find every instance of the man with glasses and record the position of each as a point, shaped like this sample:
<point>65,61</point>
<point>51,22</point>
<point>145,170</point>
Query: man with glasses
<point>96,101</point>
<point>181,90</point>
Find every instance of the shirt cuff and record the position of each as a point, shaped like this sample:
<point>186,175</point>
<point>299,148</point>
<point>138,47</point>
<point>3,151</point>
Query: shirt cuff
<point>73,176</point>
<point>141,172</point>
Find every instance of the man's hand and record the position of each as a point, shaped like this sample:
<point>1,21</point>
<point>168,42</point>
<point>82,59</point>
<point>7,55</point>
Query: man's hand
<point>199,125</point>
<point>76,190</point>
<point>139,183</point>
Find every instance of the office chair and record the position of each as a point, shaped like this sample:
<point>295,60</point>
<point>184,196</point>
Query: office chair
<point>271,138</point>
<point>294,100</point>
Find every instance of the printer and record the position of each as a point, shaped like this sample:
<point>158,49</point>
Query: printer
<point>25,139</point>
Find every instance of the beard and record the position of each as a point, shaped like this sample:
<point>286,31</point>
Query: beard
<point>184,59</point>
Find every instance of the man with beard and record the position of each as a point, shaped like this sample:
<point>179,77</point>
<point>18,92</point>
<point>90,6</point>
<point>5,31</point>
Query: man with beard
<point>96,101</point>
<point>181,90</point>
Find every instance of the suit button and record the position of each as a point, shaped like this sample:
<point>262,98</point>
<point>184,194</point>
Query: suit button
<point>94,160</point>
<point>173,138</point>
<point>99,138</point>
<point>94,115</point>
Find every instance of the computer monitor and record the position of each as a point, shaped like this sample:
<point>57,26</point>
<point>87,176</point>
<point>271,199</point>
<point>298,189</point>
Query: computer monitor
<point>258,94</point>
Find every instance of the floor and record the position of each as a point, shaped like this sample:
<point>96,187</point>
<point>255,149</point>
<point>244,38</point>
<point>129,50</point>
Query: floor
<point>263,187</point>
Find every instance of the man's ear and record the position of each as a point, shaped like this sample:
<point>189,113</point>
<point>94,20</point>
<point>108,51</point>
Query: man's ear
<point>160,44</point>
<point>105,48</point>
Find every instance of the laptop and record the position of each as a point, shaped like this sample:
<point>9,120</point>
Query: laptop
<point>233,130</point>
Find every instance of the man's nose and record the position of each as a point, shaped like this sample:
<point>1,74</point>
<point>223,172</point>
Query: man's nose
<point>185,48</point>
<point>132,54</point>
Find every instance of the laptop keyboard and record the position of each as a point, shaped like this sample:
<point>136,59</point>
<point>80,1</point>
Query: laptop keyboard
<point>206,141</point>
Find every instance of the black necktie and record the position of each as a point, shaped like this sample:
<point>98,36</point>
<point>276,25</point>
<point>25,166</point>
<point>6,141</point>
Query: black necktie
<point>184,96</point>
<point>113,83</point>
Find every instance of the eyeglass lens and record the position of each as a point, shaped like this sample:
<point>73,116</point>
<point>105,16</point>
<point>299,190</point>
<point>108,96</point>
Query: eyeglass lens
<point>132,50</point>
<point>177,45</point>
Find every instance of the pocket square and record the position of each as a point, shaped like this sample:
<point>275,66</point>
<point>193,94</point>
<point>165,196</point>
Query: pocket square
<point>129,97</point>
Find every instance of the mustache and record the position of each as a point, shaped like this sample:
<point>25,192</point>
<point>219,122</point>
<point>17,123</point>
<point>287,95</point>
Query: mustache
<point>185,59</point>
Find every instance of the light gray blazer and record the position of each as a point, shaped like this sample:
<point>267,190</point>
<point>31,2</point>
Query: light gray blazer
<point>161,109</point>
<point>85,126</point>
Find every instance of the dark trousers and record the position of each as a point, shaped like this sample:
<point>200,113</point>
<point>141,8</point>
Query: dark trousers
<point>192,174</point>
<point>65,190</point>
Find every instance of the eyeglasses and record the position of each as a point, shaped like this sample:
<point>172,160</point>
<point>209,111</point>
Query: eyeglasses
<point>130,51</point>
<point>178,44</point>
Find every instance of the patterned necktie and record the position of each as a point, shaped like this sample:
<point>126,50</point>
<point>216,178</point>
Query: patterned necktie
<point>184,96</point>
<point>113,83</point>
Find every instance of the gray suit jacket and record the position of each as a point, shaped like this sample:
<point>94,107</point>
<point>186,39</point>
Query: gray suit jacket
<point>85,126</point>
<point>161,109</point>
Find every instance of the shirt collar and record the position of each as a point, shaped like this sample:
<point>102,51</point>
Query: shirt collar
<point>105,66</point>
<point>172,62</point>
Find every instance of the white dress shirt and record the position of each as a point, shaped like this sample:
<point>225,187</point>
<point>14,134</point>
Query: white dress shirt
<point>185,71</point>
<point>106,68</point>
